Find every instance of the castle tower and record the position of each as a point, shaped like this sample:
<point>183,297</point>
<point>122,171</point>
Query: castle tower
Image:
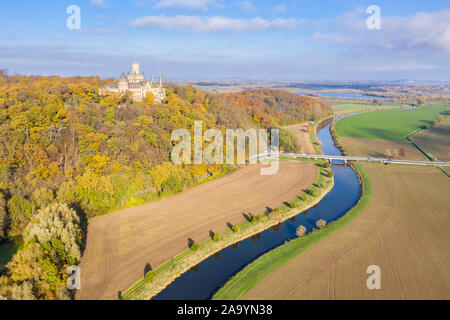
<point>135,68</point>
<point>123,83</point>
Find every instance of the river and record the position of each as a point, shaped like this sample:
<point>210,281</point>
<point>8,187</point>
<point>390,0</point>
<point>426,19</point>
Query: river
<point>202,281</point>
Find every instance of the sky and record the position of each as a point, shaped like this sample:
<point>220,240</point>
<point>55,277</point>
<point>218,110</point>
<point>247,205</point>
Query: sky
<point>236,39</point>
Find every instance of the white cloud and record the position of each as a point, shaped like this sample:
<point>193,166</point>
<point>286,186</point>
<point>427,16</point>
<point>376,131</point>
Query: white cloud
<point>205,24</point>
<point>280,8</point>
<point>421,31</point>
<point>190,4</point>
<point>99,3</point>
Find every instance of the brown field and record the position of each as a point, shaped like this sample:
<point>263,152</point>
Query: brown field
<point>303,136</point>
<point>436,140</point>
<point>377,148</point>
<point>405,230</point>
<point>121,244</point>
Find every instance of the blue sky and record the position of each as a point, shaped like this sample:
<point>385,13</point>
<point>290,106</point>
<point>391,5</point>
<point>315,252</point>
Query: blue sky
<point>236,39</point>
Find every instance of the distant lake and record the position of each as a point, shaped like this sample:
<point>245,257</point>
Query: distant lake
<point>339,95</point>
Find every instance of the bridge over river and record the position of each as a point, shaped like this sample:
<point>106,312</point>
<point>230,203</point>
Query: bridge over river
<point>345,159</point>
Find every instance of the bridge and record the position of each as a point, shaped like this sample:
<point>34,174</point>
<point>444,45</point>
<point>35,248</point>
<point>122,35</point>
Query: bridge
<point>345,159</point>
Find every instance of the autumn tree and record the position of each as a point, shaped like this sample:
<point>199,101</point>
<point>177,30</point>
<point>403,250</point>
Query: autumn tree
<point>321,223</point>
<point>3,218</point>
<point>301,231</point>
<point>149,98</point>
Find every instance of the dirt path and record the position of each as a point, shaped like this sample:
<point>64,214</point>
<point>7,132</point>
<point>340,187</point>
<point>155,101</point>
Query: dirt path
<point>405,230</point>
<point>120,245</point>
<point>302,133</point>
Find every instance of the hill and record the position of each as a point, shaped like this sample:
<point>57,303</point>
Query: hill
<point>61,141</point>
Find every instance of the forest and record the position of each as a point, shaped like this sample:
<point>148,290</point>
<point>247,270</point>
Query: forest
<point>68,154</point>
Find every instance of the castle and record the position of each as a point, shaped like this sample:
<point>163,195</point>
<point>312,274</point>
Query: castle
<point>137,85</point>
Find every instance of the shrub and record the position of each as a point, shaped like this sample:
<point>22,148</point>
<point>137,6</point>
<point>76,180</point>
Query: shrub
<point>313,192</point>
<point>301,231</point>
<point>289,142</point>
<point>326,165</point>
<point>292,204</point>
<point>235,228</point>
<point>259,218</point>
<point>195,246</point>
<point>216,237</point>
<point>149,276</point>
<point>330,174</point>
<point>252,218</point>
<point>321,223</point>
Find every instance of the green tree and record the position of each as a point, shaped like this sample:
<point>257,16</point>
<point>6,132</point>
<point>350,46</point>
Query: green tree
<point>20,211</point>
<point>289,142</point>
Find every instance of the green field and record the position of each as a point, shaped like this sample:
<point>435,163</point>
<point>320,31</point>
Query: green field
<point>391,125</point>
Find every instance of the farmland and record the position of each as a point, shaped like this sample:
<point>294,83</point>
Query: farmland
<point>120,245</point>
<point>414,260</point>
<point>401,225</point>
<point>352,107</point>
<point>436,140</point>
<point>391,125</point>
<point>364,147</point>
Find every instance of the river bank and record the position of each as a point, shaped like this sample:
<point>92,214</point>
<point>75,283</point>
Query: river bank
<point>246,279</point>
<point>164,275</point>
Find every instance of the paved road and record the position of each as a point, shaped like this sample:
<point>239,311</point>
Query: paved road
<point>347,158</point>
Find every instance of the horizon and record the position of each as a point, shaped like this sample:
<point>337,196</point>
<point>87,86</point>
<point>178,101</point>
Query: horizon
<point>238,40</point>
